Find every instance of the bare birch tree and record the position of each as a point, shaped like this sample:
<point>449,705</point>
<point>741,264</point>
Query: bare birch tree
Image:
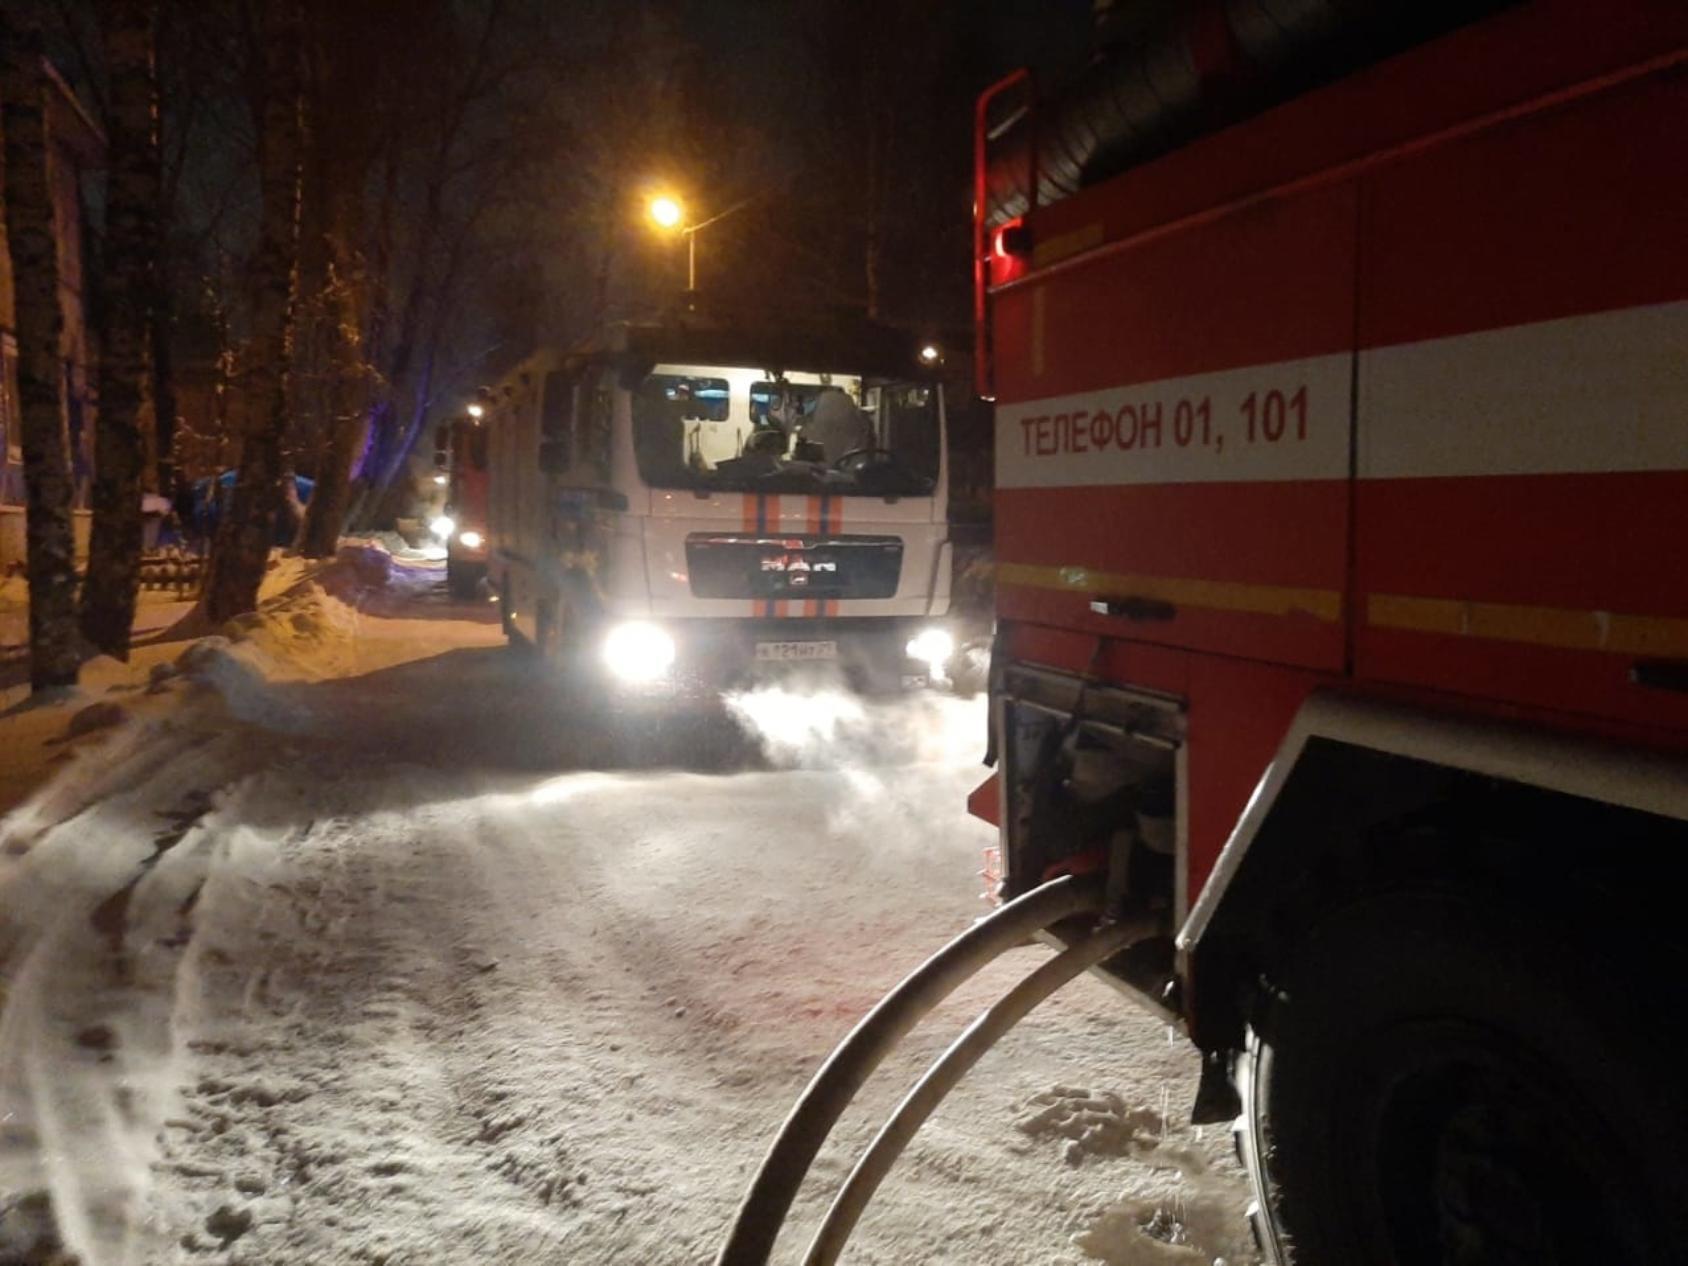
<point>347,397</point>
<point>54,651</point>
<point>128,31</point>
<point>248,528</point>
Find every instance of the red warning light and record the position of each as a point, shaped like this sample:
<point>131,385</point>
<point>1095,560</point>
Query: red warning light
<point>1010,248</point>
<point>1007,239</point>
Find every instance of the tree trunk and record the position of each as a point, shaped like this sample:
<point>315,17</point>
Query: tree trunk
<point>246,531</point>
<point>164,403</point>
<point>319,537</point>
<point>127,29</point>
<point>54,653</point>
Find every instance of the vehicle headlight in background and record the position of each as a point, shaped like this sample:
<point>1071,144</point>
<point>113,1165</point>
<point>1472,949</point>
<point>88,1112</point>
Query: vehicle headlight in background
<point>638,651</point>
<point>470,539</point>
<point>932,646</point>
<point>443,527</point>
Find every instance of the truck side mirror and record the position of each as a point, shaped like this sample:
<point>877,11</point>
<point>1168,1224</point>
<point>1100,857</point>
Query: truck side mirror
<point>442,438</point>
<point>441,461</point>
<point>554,456</point>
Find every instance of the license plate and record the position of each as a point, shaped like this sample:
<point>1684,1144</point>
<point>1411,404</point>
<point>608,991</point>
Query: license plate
<point>796,650</point>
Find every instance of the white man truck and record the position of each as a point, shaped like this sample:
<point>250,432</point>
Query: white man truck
<point>687,506</point>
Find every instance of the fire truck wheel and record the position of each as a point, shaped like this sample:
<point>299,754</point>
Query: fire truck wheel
<point>511,634</point>
<point>514,638</point>
<point>1445,1081</point>
<point>461,582</point>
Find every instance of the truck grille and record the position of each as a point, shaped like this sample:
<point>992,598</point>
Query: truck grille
<point>799,566</point>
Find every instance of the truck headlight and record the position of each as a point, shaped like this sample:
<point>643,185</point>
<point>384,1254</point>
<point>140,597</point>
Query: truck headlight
<point>638,651</point>
<point>932,646</point>
<point>443,527</point>
<point>470,539</point>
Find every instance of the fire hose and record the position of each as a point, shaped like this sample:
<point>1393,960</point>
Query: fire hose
<point>766,1204</point>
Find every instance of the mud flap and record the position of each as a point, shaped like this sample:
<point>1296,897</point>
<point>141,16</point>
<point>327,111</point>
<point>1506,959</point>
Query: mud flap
<point>1217,1100</point>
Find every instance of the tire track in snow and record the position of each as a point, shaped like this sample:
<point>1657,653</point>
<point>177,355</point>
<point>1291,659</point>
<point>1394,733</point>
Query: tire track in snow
<point>436,1017</point>
<point>97,926</point>
<point>323,1116</point>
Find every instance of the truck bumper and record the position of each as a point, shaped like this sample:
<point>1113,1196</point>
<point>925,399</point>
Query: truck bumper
<point>866,654</point>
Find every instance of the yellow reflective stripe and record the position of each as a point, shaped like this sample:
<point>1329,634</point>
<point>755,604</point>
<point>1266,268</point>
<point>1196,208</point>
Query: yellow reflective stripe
<point>1617,633</point>
<point>1538,626</point>
<point>1066,245</point>
<point>1210,595</point>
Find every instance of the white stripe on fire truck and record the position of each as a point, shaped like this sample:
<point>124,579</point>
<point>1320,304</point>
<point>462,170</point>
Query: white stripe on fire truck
<point>1602,392</point>
<point>1206,428</point>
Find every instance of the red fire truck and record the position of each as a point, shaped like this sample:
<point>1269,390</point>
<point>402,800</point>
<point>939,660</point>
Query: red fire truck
<point>1339,693</point>
<point>1340,356</point>
<point>460,462</point>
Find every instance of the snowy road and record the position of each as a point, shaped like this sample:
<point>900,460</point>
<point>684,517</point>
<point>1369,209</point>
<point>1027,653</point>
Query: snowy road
<point>417,975</point>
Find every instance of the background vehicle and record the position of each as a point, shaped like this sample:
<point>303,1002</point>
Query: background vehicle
<point>685,506</point>
<point>461,458</point>
<point>1342,458</point>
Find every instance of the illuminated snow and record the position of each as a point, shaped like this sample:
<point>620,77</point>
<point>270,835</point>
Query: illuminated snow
<point>417,975</point>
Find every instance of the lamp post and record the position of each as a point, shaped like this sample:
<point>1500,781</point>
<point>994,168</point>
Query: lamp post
<point>667,212</point>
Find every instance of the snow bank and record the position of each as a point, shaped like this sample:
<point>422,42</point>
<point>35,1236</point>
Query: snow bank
<point>97,888</point>
<point>398,547</point>
<point>101,869</point>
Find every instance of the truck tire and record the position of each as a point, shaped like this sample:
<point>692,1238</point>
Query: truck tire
<point>512,635</point>
<point>1439,1080</point>
<point>463,581</point>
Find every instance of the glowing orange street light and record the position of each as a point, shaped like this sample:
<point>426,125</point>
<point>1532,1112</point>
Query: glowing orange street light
<point>667,212</point>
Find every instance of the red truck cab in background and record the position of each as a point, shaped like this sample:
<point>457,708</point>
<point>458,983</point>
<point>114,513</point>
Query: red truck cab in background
<point>1341,378</point>
<point>461,459</point>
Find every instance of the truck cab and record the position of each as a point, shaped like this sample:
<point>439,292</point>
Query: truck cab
<point>681,507</point>
<point>460,463</point>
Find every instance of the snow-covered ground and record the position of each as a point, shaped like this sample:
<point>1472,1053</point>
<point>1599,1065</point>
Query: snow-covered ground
<point>351,943</point>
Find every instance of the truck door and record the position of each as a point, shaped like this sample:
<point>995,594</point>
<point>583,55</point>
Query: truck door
<point>1523,405</point>
<point>1174,428</point>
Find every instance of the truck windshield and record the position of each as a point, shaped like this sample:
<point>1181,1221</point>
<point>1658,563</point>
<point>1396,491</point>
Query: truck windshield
<point>753,430</point>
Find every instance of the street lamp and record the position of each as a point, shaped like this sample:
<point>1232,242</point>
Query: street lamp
<point>667,212</point>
